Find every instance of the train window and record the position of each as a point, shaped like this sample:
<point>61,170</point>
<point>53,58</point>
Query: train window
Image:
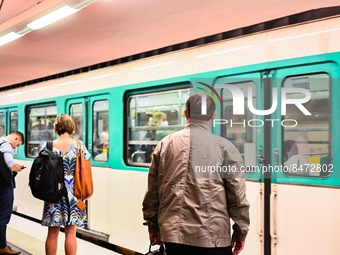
<point>236,130</point>
<point>14,121</point>
<point>2,124</point>
<point>13,125</point>
<point>306,147</point>
<point>77,113</point>
<point>152,117</point>
<point>40,128</point>
<point>100,135</point>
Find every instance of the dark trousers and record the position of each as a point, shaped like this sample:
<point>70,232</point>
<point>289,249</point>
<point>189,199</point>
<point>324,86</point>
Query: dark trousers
<point>181,249</point>
<point>6,205</point>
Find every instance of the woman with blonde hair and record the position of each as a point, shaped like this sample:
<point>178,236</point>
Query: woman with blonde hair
<point>157,118</point>
<point>65,213</point>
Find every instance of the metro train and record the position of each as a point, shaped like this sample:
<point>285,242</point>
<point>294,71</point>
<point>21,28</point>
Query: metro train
<point>123,108</point>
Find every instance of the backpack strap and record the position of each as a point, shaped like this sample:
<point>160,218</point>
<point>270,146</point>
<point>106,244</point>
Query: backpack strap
<point>49,145</point>
<point>3,143</point>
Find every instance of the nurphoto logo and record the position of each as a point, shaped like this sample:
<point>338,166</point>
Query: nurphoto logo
<point>239,102</point>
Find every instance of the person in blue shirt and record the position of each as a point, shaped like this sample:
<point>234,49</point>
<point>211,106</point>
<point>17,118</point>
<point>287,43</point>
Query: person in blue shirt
<point>8,143</point>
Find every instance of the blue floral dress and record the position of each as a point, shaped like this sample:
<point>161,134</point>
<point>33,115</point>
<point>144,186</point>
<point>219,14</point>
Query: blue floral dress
<point>56,214</point>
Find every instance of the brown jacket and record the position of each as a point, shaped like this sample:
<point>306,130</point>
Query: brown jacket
<point>188,200</point>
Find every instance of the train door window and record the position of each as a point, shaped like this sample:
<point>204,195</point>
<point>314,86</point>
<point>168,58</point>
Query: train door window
<point>40,128</point>
<point>100,129</point>
<point>306,146</point>
<point>152,117</point>
<point>13,121</point>
<point>2,124</point>
<point>237,130</point>
<point>77,113</point>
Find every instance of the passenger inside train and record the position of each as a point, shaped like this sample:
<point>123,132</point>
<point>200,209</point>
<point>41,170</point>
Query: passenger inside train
<point>102,147</point>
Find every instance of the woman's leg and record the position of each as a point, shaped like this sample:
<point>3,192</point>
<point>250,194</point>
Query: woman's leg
<point>70,240</point>
<point>51,243</point>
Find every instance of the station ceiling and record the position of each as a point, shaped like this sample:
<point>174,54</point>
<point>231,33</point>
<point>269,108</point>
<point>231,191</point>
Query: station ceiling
<point>111,29</point>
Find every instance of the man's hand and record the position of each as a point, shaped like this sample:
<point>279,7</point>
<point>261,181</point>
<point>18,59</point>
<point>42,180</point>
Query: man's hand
<point>155,238</point>
<point>237,246</point>
<point>15,168</point>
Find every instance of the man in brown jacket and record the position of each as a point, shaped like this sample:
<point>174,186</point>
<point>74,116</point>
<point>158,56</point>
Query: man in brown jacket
<point>195,186</point>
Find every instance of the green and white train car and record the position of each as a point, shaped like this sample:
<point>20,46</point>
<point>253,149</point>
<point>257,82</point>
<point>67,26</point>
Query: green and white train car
<point>294,209</point>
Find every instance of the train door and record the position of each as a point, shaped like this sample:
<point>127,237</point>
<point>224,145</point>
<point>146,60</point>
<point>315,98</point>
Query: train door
<point>304,208</point>
<point>245,130</point>
<point>91,116</point>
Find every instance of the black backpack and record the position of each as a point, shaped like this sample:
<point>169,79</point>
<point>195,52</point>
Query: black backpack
<point>5,173</point>
<point>46,178</point>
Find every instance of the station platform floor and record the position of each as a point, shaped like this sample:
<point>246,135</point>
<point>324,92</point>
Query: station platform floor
<point>29,237</point>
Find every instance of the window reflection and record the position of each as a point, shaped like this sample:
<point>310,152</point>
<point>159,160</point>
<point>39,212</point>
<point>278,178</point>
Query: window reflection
<point>237,129</point>
<point>40,128</point>
<point>100,135</point>
<point>13,121</point>
<point>151,118</point>
<point>306,146</point>
<point>77,113</point>
<point>2,124</point>
<point>14,125</point>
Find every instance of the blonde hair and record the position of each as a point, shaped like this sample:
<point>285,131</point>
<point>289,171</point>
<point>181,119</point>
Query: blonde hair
<point>156,117</point>
<point>64,124</point>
